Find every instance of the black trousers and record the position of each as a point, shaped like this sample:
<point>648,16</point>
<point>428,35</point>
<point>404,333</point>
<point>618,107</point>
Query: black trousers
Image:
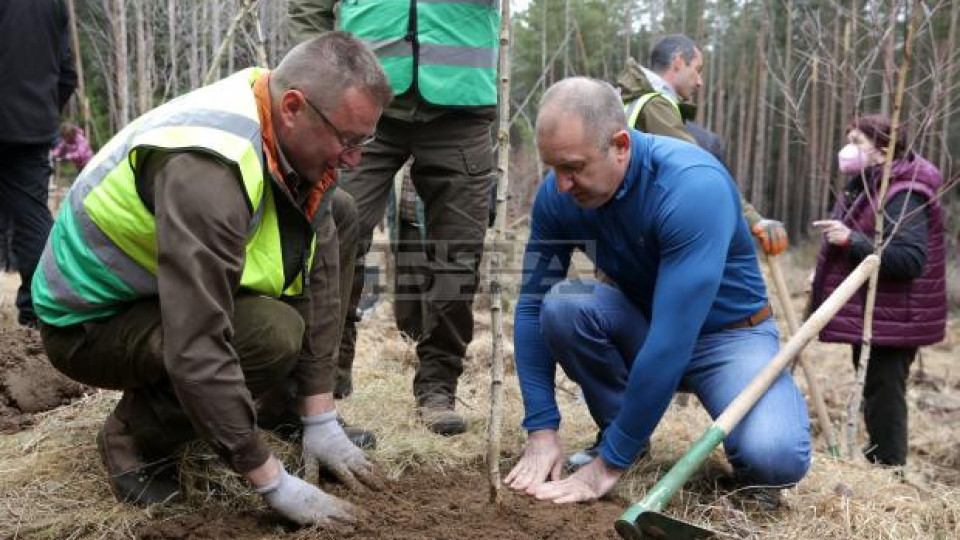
<point>24,187</point>
<point>885,402</point>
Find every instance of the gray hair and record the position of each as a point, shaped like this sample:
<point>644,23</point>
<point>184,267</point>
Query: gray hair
<point>326,66</point>
<point>596,103</point>
<point>668,47</point>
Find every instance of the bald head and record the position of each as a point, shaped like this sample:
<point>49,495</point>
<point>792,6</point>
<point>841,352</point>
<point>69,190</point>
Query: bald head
<point>594,103</point>
<point>327,66</point>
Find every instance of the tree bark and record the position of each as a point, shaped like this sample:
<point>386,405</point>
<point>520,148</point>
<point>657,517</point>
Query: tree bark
<point>78,65</point>
<point>173,77</point>
<point>945,161</point>
<point>783,171</point>
<point>144,87</point>
<point>118,29</point>
<point>759,185</point>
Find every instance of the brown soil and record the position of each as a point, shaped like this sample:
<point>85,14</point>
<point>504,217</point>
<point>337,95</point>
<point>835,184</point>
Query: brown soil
<point>28,383</point>
<point>420,505</point>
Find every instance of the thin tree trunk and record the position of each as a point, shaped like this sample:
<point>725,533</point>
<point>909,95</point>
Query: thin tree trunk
<point>889,64</point>
<point>951,70</point>
<point>813,188</point>
<point>496,309</point>
<point>741,90</point>
<point>194,58</point>
<point>853,405</point>
<point>830,131</point>
<point>172,51</point>
<point>566,50</point>
<point>227,43</point>
<point>118,29</point>
<point>143,68</point>
<point>760,139</point>
<point>78,65</point>
<point>215,39</point>
<point>784,166</point>
<point>627,31</point>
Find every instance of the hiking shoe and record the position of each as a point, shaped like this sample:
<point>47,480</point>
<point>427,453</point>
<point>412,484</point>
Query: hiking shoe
<point>132,479</point>
<point>436,412</point>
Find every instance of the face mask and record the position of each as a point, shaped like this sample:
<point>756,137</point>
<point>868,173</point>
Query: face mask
<point>852,159</point>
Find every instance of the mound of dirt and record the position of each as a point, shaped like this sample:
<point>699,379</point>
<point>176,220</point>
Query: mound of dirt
<point>420,505</point>
<point>28,383</point>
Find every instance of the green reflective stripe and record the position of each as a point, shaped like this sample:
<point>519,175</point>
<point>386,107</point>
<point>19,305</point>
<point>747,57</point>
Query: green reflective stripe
<point>80,268</point>
<point>446,55</point>
<point>57,284</point>
<point>390,47</point>
<point>453,85</point>
<point>134,275</point>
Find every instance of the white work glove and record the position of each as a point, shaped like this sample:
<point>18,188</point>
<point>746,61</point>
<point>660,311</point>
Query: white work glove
<point>325,443</point>
<point>304,503</point>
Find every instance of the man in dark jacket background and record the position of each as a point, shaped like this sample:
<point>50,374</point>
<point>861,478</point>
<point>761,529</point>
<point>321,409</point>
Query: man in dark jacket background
<point>35,87</point>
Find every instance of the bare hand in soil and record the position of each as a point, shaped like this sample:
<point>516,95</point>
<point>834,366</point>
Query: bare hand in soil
<point>304,503</point>
<point>325,444</point>
<point>587,484</point>
<point>543,456</point>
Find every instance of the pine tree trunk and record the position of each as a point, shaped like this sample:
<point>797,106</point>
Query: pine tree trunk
<point>759,185</point>
<point>783,171</point>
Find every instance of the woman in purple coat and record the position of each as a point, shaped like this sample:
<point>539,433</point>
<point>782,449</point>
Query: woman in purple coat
<point>911,304</point>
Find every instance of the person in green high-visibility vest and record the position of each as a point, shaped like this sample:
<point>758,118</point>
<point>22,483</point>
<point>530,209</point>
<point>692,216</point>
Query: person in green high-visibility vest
<point>441,59</point>
<point>659,100</point>
<point>194,267</point>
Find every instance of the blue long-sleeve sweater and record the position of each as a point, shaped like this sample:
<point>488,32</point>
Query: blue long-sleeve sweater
<point>674,240</point>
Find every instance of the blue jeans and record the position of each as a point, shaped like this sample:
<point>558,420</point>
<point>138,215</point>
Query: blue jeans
<point>595,335</point>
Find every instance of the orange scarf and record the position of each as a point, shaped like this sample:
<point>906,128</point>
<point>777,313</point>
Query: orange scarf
<point>261,93</point>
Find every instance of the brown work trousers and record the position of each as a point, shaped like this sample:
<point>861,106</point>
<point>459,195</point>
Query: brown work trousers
<point>125,352</point>
<point>452,172</point>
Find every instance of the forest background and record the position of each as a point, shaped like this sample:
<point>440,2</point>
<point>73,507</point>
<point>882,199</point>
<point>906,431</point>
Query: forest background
<point>782,78</point>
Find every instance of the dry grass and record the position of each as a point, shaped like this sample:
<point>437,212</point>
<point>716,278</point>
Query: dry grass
<point>52,485</point>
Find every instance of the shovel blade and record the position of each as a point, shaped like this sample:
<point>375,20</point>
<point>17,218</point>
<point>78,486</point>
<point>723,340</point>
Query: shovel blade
<point>656,526</point>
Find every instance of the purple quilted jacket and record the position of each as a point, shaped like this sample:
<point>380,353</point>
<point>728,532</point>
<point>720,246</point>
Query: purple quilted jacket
<point>908,313</point>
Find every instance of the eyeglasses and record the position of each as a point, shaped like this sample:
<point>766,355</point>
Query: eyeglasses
<point>348,146</point>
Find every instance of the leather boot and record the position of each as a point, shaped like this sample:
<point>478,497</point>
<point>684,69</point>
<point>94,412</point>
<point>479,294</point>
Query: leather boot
<point>133,479</point>
<point>361,438</point>
<point>436,412</point>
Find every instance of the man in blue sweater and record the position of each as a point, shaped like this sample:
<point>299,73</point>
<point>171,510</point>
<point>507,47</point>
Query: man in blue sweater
<point>661,219</point>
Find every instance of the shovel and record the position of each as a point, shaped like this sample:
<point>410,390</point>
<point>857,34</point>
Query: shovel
<point>643,520</point>
<point>780,285</point>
